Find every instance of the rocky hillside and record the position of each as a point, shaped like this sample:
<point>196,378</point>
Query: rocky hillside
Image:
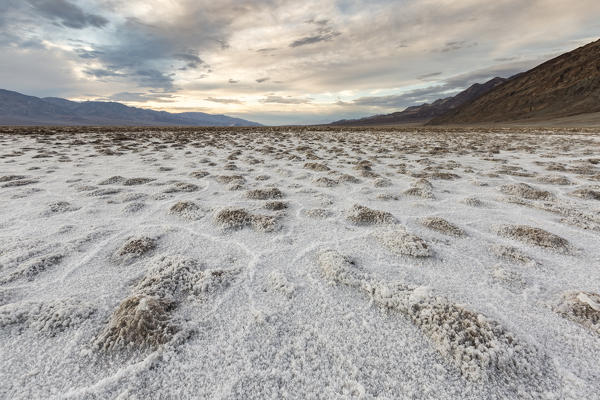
<point>425,112</point>
<point>565,86</point>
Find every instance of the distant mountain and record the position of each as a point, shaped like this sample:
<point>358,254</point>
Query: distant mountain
<point>425,112</point>
<point>565,86</point>
<point>19,109</point>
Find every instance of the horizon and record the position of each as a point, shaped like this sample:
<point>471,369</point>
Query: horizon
<point>298,65</point>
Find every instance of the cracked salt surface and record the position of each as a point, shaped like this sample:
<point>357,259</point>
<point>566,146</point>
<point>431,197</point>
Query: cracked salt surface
<point>277,263</point>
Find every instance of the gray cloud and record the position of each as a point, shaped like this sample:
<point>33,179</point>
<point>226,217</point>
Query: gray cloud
<point>140,97</point>
<point>457,45</point>
<point>67,14</point>
<point>321,37</point>
<point>232,81</point>
<point>325,33</point>
<point>88,54</point>
<point>223,101</point>
<point>266,50</point>
<point>430,75</point>
<point>284,100</point>
<point>192,60</point>
<point>261,80</point>
<point>154,78</point>
<point>102,73</point>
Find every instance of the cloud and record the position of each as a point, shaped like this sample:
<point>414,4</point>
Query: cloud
<point>446,88</point>
<point>457,45</point>
<point>138,97</point>
<point>424,77</point>
<point>154,78</point>
<point>285,100</point>
<point>321,37</point>
<point>261,80</point>
<point>325,33</point>
<point>223,101</point>
<point>67,14</point>
<point>233,81</point>
<point>88,54</point>
<point>102,73</point>
<point>192,60</point>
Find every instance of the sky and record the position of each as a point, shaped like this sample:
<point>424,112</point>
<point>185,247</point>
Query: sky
<point>279,61</point>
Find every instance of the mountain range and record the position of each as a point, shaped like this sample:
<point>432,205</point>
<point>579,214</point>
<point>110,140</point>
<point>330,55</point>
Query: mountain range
<point>561,89</point>
<point>19,109</point>
<point>565,86</point>
<point>426,112</point>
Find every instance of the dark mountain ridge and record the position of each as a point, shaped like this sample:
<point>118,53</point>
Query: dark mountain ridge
<point>564,86</point>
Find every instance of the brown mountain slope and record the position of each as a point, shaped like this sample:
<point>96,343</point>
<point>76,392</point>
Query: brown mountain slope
<point>425,112</point>
<point>564,86</point>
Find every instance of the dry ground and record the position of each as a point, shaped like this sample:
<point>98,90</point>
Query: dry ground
<point>299,263</point>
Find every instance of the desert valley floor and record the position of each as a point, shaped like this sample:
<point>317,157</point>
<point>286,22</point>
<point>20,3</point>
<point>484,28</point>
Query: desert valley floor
<point>299,263</point>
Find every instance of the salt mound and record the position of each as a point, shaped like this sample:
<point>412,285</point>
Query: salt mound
<point>361,215</point>
<point>325,182</point>
<point>104,192</point>
<point>182,187</point>
<point>29,270</point>
<point>137,247</point>
<point>481,348</point>
<point>137,181</point>
<point>276,205</point>
<point>233,218</point>
<point>264,223</point>
<point>510,253</point>
<point>320,213</point>
<point>9,178</point>
<point>478,346</point>
<point>444,176</point>
<point>526,191</point>
<point>60,207</point>
<point>340,269</point>
<point>264,194</point>
<point>113,180</point>
<point>49,317</point>
<point>473,202</point>
<point>554,179</point>
<point>402,243</point>
<point>421,188</point>
<point>19,182</point>
<point>363,165</point>
<point>316,167</point>
<point>185,209</point>
<point>170,277</point>
<point>535,236</point>
<point>279,283</point>
<point>133,208</point>
<point>199,174</point>
<point>236,179</point>
<point>443,226</point>
<point>586,193</point>
<point>382,182</point>
<point>505,276</point>
<point>139,321</point>
<point>582,308</point>
<point>348,178</point>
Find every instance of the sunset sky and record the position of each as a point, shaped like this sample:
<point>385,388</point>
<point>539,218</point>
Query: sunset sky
<point>279,61</point>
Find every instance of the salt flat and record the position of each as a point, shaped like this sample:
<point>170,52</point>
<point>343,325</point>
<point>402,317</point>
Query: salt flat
<point>299,263</point>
